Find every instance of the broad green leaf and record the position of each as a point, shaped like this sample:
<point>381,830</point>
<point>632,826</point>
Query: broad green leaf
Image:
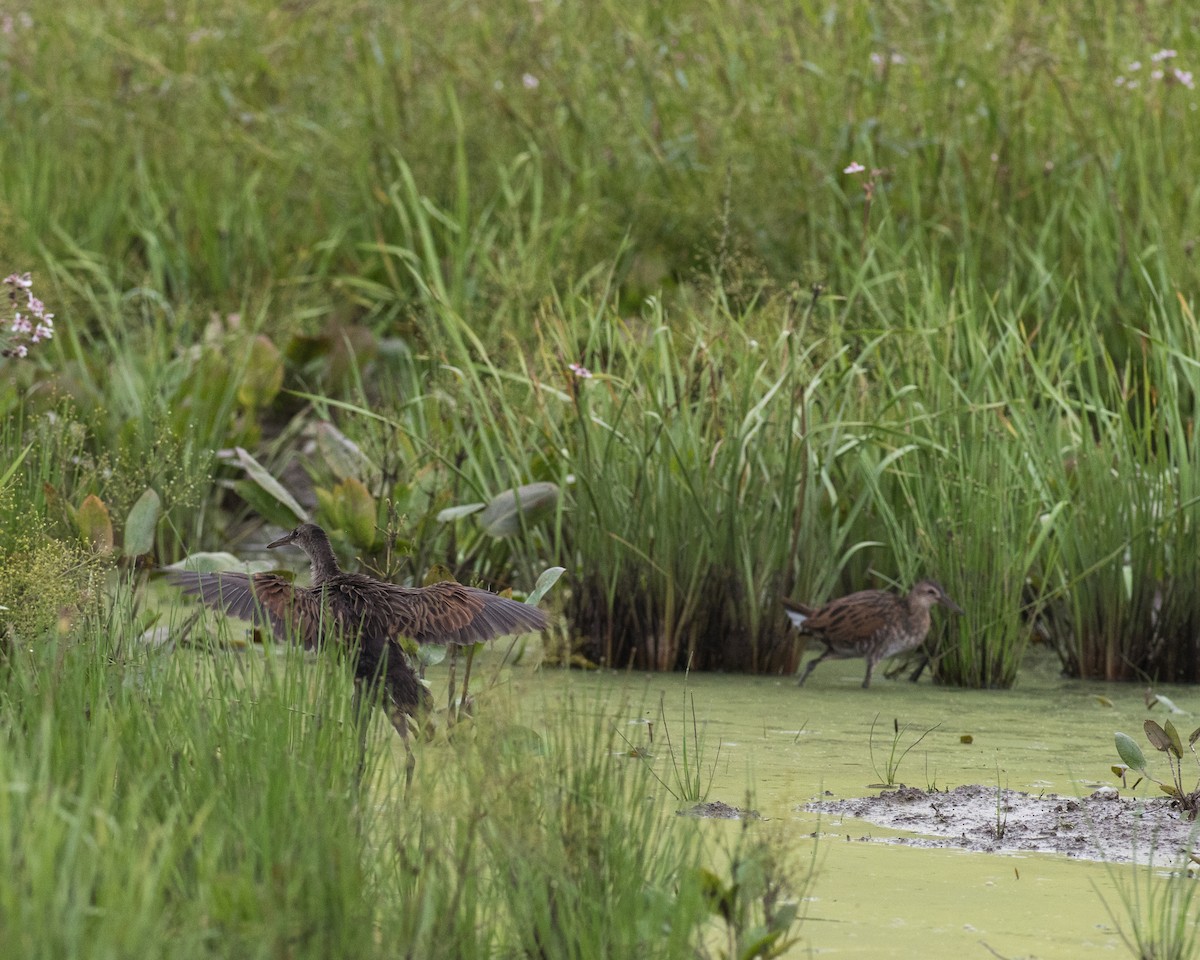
<point>343,456</point>
<point>1157,736</point>
<point>265,505</point>
<point>431,654</point>
<point>259,474</point>
<point>139,526</point>
<point>1168,789</point>
<point>95,524</point>
<point>263,375</point>
<point>502,517</point>
<point>219,562</point>
<point>1173,734</point>
<point>437,573</point>
<point>1130,753</point>
<point>547,580</point>
<point>1195,735</point>
<point>357,509</point>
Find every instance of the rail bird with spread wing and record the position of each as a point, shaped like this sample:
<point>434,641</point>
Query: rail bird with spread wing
<point>365,615</point>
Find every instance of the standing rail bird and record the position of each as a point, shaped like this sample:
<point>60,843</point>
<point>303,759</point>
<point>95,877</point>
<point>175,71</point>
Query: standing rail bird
<point>365,615</point>
<point>873,624</point>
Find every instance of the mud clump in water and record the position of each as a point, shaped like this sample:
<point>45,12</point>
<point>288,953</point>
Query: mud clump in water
<point>716,810</point>
<point>1103,826</point>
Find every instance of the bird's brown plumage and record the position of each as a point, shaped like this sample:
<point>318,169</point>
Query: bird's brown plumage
<point>362,613</point>
<point>872,624</point>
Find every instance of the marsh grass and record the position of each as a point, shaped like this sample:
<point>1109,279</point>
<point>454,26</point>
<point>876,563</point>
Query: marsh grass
<point>208,797</point>
<point>1157,918</point>
<point>463,210</point>
<point>896,755</point>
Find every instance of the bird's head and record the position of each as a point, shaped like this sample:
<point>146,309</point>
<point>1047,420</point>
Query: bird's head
<point>306,536</point>
<point>928,592</point>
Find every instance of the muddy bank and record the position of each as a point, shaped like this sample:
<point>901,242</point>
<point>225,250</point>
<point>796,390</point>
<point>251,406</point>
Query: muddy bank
<point>1103,826</point>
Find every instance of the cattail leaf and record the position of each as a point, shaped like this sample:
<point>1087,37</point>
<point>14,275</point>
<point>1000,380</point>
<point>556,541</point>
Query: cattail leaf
<point>95,524</point>
<point>1157,736</point>
<point>140,524</point>
<point>1173,734</point>
<point>1130,753</point>
<point>505,513</point>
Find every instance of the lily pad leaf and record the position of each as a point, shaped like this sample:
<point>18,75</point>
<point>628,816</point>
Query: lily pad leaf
<point>1130,753</point>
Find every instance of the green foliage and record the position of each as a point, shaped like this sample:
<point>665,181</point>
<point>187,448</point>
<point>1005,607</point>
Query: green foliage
<point>895,757</point>
<point>395,269</point>
<point>1160,912</point>
<point>45,584</point>
<point>1165,739</point>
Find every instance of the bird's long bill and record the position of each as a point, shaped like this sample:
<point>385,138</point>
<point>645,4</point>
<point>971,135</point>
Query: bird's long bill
<point>950,604</point>
<point>282,541</point>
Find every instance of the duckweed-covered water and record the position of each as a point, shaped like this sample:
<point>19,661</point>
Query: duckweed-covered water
<point>781,746</point>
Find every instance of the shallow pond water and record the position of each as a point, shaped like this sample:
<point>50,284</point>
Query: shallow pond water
<point>782,746</point>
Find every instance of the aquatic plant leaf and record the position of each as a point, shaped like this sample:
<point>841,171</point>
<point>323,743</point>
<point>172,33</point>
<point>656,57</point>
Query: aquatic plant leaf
<point>263,375</point>
<point>1169,790</point>
<point>1173,734</point>
<point>343,456</point>
<point>95,524</point>
<point>269,485</point>
<point>504,514</point>
<point>547,580</point>
<point>1157,736</point>
<point>1130,753</point>
<point>357,510</point>
<point>437,573</point>
<point>431,654</point>
<point>140,524</point>
<point>454,513</point>
<point>1195,735</point>
<point>218,562</point>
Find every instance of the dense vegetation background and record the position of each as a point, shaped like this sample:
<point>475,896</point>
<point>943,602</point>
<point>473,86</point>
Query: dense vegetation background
<point>707,303</point>
<point>791,298</point>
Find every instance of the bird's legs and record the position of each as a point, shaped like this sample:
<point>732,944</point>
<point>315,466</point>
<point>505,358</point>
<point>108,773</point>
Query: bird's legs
<point>812,665</point>
<point>361,707</point>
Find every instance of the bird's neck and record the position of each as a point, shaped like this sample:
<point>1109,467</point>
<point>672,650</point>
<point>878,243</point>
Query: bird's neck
<point>324,563</point>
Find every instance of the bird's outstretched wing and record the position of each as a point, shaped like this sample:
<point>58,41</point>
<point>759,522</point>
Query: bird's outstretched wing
<point>265,599</point>
<point>449,613</point>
